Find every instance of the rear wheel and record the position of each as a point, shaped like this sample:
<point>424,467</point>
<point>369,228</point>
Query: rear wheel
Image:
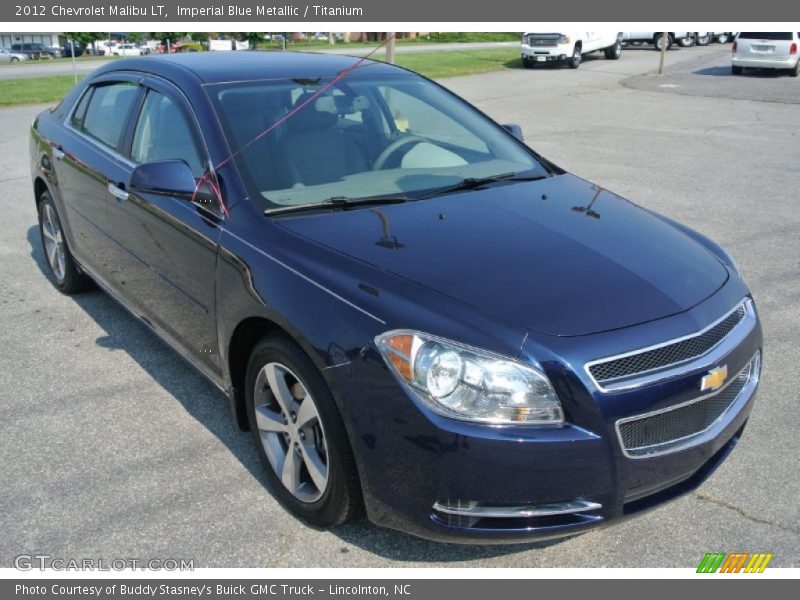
<point>703,40</point>
<point>736,70</point>
<point>300,435</point>
<point>687,42</point>
<point>575,60</point>
<point>63,270</point>
<point>658,41</point>
<point>796,70</point>
<point>15,59</point>
<point>613,52</point>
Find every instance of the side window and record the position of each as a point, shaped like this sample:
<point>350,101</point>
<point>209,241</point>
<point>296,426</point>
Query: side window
<point>413,115</point>
<point>107,111</point>
<point>162,133</point>
<point>80,112</point>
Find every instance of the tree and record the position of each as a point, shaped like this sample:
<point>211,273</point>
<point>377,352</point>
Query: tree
<point>163,36</point>
<point>85,38</point>
<point>198,36</point>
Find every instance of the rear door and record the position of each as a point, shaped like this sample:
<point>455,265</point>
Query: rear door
<point>86,156</point>
<point>171,243</point>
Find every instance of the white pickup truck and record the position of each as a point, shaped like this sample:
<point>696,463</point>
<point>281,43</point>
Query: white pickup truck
<point>569,48</point>
<point>655,37</point>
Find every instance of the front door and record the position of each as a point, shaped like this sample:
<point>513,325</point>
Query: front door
<point>171,243</point>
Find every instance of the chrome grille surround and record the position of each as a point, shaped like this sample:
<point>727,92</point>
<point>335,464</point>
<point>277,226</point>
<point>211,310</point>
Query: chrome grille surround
<point>689,423</point>
<point>674,357</point>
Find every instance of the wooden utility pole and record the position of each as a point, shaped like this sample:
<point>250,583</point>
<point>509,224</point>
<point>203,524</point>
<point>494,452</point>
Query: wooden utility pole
<point>390,48</point>
<point>331,38</point>
<point>664,44</point>
<point>71,43</point>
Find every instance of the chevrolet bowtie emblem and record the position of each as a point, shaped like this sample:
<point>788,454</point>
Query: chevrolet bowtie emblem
<point>714,379</point>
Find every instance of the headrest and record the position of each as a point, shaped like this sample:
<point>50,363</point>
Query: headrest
<point>342,104</point>
<point>311,116</point>
<point>249,101</point>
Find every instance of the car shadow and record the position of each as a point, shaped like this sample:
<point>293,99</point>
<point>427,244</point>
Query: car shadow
<point>205,403</point>
<point>722,71</point>
<point>123,332</point>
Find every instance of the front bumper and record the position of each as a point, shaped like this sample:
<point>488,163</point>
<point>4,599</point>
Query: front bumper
<point>439,478</point>
<point>546,53</point>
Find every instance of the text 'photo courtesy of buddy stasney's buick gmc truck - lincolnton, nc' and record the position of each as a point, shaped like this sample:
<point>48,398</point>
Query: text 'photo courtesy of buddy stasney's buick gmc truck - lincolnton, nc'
<point>414,313</point>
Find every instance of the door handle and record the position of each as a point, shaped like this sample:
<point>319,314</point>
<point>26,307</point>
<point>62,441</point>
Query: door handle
<point>58,153</point>
<point>117,192</point>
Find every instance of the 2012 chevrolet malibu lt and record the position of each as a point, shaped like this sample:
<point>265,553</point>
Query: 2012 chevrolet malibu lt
<point>412,311</point>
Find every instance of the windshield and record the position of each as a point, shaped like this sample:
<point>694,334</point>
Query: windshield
<point>361,137</point>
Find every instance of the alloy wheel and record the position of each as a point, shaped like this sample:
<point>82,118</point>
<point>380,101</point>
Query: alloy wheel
<point>53,242</point>
<point>291,432</point>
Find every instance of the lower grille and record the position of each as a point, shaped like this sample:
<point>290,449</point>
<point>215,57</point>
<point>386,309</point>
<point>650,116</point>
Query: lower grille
<point>676,427</point>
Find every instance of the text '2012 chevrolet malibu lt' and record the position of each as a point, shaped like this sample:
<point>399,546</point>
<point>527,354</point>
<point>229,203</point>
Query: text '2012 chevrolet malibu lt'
<point>413,312</point>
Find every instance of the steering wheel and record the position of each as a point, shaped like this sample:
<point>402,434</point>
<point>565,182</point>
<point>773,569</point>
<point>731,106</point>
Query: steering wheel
<point>384,156</point>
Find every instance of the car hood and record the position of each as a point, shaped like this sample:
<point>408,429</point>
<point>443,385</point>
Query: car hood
<point>560,256</point>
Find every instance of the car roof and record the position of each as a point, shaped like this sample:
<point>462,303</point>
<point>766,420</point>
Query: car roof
<point>218,67</point>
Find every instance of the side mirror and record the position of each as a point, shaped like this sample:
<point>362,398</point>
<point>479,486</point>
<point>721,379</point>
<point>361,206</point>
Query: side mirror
<point>165,178</point>
<point>514,130</point>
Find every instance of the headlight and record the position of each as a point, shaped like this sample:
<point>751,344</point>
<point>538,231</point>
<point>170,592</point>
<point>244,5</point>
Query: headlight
<point>465,383</point>
<point>563,39</point>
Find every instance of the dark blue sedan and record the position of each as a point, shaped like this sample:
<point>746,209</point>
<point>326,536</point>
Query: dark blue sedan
<point>414,313</point>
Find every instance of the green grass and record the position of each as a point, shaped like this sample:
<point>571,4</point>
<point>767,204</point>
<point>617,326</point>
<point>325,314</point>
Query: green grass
<point>436,65</point>
<point>35,90</point>
<point>452,63</point>
<point>434,38</point>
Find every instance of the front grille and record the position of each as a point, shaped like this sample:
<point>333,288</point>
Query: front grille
<point>543,40</point>
<point>662,431</point>
<point>669,354</point>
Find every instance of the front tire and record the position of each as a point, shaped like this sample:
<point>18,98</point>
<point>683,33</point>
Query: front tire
<point>703,40</point>
<point>796,70</point>
<point>528,64</point>
<point>687,42</point>
<point>613,52</point>
<point>723,38</point>
<point>575,60</point>
<point>62,269</point>
<point>14,59</point>
<point>300,435</point>
<point>658,42</point>
<point>736,70</point>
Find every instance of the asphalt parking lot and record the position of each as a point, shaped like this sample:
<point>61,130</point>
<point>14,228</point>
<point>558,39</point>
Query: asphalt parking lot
<point>111,446</point>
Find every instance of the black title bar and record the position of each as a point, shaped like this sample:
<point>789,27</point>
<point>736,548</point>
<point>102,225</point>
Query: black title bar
<point>325,11</point>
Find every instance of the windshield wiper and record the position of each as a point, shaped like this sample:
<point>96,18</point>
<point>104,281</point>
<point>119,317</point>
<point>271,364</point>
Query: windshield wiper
<point>337,202</point>
<point>471,183</point>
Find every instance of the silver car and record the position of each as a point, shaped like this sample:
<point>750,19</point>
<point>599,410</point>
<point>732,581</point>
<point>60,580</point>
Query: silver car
<point>9,56</point>
<point>766,50</point>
